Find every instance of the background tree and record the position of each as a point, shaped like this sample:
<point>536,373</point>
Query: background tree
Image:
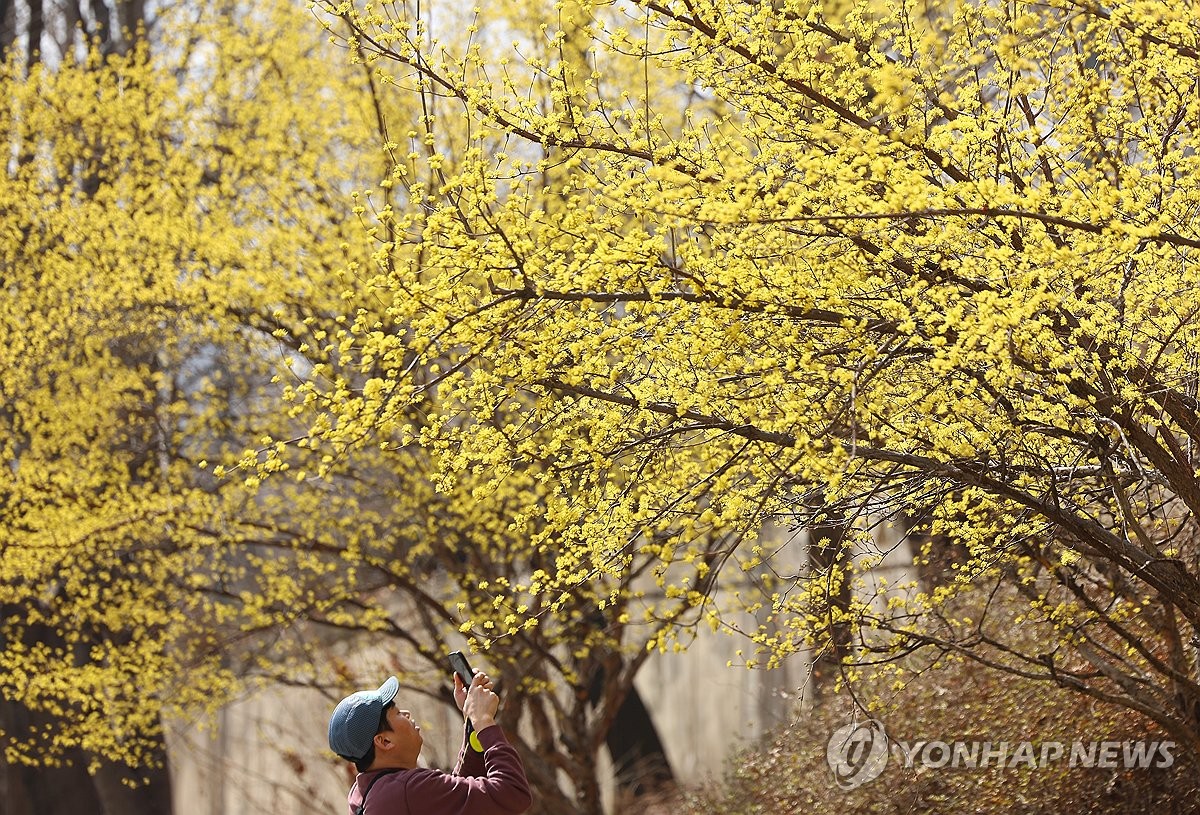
<point>438,557</point>
<point>175,272</point>
<point>158,206</point>
<point>935,265</point>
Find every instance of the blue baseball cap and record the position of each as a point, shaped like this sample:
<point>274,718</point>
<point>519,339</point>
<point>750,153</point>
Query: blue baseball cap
<point>355,720</point>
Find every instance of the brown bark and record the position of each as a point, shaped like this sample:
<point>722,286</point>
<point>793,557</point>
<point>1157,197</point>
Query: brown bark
<point>8,26</point>
<point>37,27</point>
<point>828,558</point>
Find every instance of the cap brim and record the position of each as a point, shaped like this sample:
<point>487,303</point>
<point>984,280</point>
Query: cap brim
<point>388,690</point>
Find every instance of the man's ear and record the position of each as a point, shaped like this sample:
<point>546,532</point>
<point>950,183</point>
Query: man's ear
<point>383,741</point>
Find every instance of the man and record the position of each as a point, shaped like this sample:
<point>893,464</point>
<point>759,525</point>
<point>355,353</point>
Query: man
<point>384,742</point>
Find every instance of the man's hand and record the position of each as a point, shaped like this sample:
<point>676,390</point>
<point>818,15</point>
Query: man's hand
<point>479,702</point>
<point>460,692</point>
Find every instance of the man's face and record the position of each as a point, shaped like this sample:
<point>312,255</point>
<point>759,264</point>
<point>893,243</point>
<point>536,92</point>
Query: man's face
<point>405,736</point>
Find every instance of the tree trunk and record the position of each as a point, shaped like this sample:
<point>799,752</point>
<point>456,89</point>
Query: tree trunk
<point>828,559</point>
<point>131,17</point>
<point>637,751</point>
<point>144,791</point>
<point>8,27</point>
<point>936,555</point>
<point>25,790</point>
<point>37,27</point>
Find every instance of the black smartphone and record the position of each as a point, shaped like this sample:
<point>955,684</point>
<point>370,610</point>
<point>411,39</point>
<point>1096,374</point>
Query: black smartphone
<point>458,662</point>
<point>460,666</point>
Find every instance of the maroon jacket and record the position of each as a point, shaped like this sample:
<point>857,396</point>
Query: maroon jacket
<point>488,783</point>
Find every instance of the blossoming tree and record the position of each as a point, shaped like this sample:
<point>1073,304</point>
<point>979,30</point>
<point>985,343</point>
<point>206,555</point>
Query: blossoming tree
<point>711,262</point>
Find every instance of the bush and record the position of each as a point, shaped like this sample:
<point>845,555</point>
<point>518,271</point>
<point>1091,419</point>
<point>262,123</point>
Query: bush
<point>789,771</point>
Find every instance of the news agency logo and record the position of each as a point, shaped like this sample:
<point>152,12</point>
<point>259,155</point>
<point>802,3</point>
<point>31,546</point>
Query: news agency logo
<point>858,753</point>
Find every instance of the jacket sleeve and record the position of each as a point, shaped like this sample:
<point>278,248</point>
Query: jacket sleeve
<point>499,789</point>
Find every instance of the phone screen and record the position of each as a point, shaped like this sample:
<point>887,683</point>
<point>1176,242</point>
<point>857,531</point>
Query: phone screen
<point>459,664</point>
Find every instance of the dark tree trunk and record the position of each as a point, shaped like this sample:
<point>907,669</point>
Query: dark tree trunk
<point>828,558</point>
<point>637,751</point>
<point>8,27</point>
<point>936,555</point>
<point>37,27</point>
<point>638,757</point>
<point>25,790</point>
<point>145,791</point>
<point>68,788</point>
<point>131,16</point>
